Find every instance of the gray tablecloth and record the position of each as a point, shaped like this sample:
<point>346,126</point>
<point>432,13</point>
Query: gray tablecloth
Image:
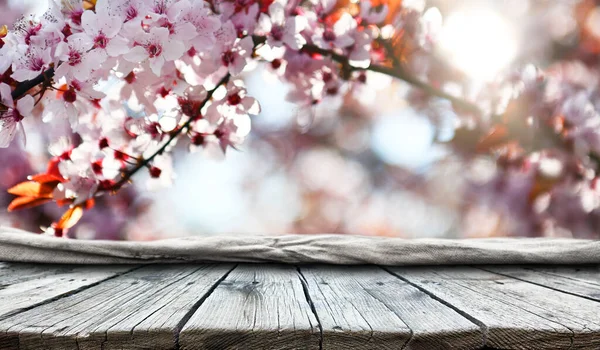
<point>21,246</point>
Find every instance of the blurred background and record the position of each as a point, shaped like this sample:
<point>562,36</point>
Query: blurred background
<point>363,163</point>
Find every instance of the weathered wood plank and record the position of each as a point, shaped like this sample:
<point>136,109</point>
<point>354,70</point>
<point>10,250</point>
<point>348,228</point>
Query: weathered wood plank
<point>517,314</point>
<point>590,274</point>
<point>280,307</point>
<point>108,315</point>
<point>11,273</point>
<point>15,273</point>
<point>583,286</point>
<point>581,316</point>
<point>368,308</point>
<point>255,307</point>
<point>24,285</point>
<point>179,304</point>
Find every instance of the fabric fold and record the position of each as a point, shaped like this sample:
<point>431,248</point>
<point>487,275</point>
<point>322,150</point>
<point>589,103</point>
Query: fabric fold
<point>22,246</point>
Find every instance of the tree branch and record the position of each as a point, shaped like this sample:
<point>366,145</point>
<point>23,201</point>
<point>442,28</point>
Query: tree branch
<point>27,85</point>
<point>398,73</point>
<point>145,162</point>
<point>395,72</point>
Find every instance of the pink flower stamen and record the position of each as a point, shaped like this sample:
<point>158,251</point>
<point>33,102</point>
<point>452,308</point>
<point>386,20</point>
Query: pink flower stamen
<point>74,58</point>
<point>154,50</point>
<point>227,58</point>
<point>101,41</point>
<point>130,13</point>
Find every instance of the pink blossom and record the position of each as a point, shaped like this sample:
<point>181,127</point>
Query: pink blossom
<point>215,139</point>
<point>237,98</point>
<point>103,29</point>
<point>130,12</point>
<point>9,52</point>
<point>234,52</point>
<point>170,14</point>
<point>31,63</point>
<point>162,173</point>
<point>156,46</point>
<point>340,36</point>
<point>72,10</point>
<point>205,24</point>
<point>134,77</point>
<point>77,58</point>
<point>360,52</point>
<point>11,114</point>
<point>282,30</point>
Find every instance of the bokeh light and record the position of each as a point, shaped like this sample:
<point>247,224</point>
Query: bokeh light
<point>479,42</point>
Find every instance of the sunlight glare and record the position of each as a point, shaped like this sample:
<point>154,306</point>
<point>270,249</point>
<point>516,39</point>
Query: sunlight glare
<point>479,42</point>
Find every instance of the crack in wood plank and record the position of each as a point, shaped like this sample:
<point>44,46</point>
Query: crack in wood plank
<point>314,307</point>
<point>480,324</point>
<point>311,304</point>
<point>122,307</point>
<point>572,335</point>
<point>411,334</point>
<point>576,287</point>
<point>6,339</point>
<point>195,307</point>
<point>80,286</point>
<point>256,306</point>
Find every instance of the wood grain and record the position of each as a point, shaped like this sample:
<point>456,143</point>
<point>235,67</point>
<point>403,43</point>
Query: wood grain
<point>255,307</point>
<point>579,281</point>
<point>260,306</point>
<point>368,308</point>
<point>516,314</point>
<point>119,313</point>
<point>589,274</point>
<point>23,286</point>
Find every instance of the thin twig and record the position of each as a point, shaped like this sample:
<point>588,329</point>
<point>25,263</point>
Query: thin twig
<point>399,73</point>
<point>27,85</point>
<point>145,162</point>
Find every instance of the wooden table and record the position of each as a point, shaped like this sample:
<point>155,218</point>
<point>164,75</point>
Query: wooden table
<point>245,306</point>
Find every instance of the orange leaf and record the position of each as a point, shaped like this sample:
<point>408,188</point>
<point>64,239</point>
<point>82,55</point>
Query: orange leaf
<point>70,218</point>
<point>32,189</point>
<point>45,178</point>
<point>26,203</point>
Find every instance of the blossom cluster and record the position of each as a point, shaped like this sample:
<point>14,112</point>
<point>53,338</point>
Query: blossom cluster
<point>547,149</point>
<point>132,79</point>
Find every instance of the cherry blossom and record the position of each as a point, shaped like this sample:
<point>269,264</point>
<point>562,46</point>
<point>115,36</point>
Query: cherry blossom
<point>205,25</point>
<point>78,60</point>
<point>156,46</point>
<point>360,53</point>
<point>11,114</point>
<point>234,52</point>
<point>102,29</point>
<point>31,63</point>
<point>281,30</point>
<point>340,36</point>
<point>122,83</point>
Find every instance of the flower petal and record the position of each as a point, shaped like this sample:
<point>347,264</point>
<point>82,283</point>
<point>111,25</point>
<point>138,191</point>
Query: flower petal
<point>5,95</point>
<point>8,129</point>
<point>25,105</point>
<point>136,55</point>
<point>156,64</point>
<point>117,46</point>
<point>173,49</point>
